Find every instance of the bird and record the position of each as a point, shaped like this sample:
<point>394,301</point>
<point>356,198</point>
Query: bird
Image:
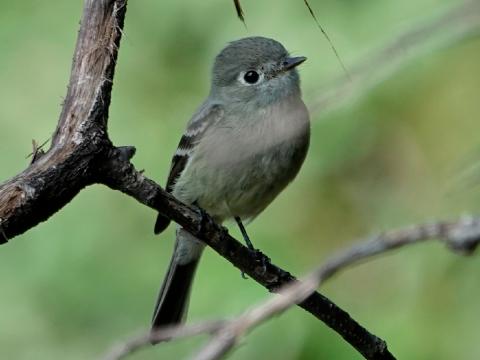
<point>245,143</point>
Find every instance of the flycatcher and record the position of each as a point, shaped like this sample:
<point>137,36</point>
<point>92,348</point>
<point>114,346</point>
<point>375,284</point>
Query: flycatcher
<point>240,149</point>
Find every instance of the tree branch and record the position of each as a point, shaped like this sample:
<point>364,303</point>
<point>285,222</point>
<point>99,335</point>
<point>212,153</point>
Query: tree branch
<point>53,179</point>
<point>461,236</point>
<point>165,334</point>
<point>121,175</point>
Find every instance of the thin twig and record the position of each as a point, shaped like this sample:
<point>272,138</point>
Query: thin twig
<point>121,175</point>
<point>461,235</point>
<point>239,10</point>
<point>227,337</point>
<point>122,350</point>
<point>37,149</point>
<point>328,39</point>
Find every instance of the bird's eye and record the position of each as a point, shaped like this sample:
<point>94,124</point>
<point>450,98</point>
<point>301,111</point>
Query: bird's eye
<point>251,77</point>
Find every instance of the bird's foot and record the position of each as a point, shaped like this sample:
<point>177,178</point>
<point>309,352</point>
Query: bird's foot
<point>261,259</point>
<point>204,217</point>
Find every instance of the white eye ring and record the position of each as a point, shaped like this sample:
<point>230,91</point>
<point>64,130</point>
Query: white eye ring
<point>256,76</point>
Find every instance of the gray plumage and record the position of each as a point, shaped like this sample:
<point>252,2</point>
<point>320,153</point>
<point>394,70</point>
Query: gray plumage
<point>241,148</point>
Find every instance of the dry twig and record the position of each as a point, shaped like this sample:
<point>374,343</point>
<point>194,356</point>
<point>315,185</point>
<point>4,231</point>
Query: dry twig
<point>334,49</point>
<point>122,350</point>
<point>461,236</point>
<point>239,10</point>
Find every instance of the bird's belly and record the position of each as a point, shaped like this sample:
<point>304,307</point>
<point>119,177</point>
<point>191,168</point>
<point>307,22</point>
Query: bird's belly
<point>240,167</point>
<point>243,187</point>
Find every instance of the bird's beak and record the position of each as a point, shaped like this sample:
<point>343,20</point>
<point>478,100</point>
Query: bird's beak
<point>292,62</point>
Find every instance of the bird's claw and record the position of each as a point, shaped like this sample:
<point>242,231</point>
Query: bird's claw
<point>204,217</point>
<point>261,259</point>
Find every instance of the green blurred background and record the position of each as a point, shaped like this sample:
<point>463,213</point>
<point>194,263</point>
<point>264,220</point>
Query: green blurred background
<point>87,278</point>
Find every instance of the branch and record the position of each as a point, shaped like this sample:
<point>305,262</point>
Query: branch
<point>121,175</point>
<point>54,178</point>
<point>327,37</point>
<point>461,236</point>
<point>168,333</point>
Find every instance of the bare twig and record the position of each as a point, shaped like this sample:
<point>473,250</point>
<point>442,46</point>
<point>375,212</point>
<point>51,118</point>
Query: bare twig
<point>37,150</point>
<point>225,333</point>
<point>239,10</point>
<point>334,49</point>
<point>53,179</point>
<point>457,23</point>
<point>121,175</point>
<point>227,337</point>
<point>122,350</point>
<point>461,236</point>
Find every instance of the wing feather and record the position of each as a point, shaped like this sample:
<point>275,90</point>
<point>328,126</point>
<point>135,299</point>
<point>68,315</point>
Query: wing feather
<point>207,116</point>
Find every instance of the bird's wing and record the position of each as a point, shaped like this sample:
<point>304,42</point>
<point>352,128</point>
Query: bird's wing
<point>206,116</point>
<point>201,121</point>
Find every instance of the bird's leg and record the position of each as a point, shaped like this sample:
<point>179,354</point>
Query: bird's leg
<point>244,233</point>
<point>260,257</point>
<point>245,237</point>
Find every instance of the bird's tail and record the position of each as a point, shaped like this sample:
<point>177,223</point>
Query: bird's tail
<point>172,301</point>
<point>161,224</point>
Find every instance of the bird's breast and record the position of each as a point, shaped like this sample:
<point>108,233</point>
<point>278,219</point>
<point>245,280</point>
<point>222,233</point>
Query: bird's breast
<point>242,163</point>
<point>248,132</point>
